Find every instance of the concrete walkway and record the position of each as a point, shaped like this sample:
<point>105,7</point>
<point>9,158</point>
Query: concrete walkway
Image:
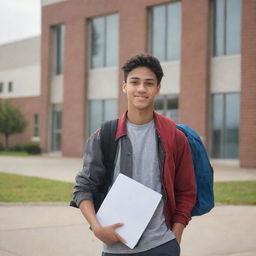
<point>56,229</point>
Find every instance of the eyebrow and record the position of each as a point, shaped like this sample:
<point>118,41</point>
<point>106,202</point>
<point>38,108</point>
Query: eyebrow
<point>148,79</point>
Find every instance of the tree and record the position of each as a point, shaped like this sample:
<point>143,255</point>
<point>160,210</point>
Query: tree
<point>11,120</point>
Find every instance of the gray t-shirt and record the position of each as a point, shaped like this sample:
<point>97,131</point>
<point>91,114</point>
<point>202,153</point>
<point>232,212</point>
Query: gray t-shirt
<point>146,171</point>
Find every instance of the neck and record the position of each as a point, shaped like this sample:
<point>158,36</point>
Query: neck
<point>140,117</point>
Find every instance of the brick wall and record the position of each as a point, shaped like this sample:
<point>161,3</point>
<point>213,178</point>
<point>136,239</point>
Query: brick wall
<point>248,86</point>
<point>194,87</point>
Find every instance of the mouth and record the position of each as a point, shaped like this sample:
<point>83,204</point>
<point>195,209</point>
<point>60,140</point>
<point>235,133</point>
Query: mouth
<point>141,97</point>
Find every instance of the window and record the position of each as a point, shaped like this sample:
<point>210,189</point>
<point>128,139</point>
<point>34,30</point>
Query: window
<point>1,87</point>
<point>36,125</point>
<point>10,86</point>
<point>167,105</point>
<point>101,111</point>
<point>104,41</point>
<point>225,125</point>
<point>166,31</point>
<point>58,49</point>
<point>227,27</point>
<point>56,127</point>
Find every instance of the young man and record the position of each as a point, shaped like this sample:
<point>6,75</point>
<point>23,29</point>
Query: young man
<point>151,151</point>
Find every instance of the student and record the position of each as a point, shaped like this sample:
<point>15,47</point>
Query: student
<point>151,151</point>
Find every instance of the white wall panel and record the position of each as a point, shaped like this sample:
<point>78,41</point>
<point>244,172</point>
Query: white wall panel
<point>103,83</point>
<point>26,81</point>
<point>57,89</point>
<point>226,74</point>
<point>171,80</point>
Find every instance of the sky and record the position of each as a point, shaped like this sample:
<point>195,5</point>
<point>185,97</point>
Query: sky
<point>19,19</point>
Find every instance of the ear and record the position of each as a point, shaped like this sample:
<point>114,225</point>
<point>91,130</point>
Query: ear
<point>124,86</point>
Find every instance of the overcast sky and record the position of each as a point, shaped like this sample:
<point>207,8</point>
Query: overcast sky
<point>19,19</point>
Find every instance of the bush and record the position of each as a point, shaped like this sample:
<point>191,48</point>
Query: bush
<point>1,147</point>
<point>32,148</point>
<point>17,147</point>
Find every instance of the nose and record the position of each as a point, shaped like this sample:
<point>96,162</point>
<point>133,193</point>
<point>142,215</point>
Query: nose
<point>141,87</point>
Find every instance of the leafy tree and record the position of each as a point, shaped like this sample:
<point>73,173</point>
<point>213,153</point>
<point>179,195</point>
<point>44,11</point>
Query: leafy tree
<point>11,120</point>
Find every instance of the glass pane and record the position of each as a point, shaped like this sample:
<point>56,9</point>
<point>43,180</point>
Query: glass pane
<point>110,110</point>
<point>172,108</point>
<point>58,120</point>
<point>58,49</point>
<point>56,127</point>
<point>97,42</point>
<point>95,115</point>
<point>159,104</point>
<point>112,44</point>
<point>233,26</point>
<point>174,31</point>
<point>232,118</point>
<point>217,125</point>
<point>159,32</point>
<point>219,27</point>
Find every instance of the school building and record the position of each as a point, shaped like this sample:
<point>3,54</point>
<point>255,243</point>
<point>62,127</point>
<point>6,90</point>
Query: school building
<point>207,49</point>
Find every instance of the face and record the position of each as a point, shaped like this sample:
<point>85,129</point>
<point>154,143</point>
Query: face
<point>141,88</point>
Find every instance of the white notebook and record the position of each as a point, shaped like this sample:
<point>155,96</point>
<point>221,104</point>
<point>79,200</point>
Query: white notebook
<point>131,203</point>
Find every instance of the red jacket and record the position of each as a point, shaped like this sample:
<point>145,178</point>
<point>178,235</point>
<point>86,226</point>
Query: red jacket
<point>178,171</point>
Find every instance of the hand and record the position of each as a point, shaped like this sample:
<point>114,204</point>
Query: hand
<point>108,234</point>
<point>177,231</point>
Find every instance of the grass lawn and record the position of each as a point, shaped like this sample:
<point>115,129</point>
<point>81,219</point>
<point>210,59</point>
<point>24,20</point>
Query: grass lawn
<point>17,188</point>
<point>235,192</point>
<point>14,153</point>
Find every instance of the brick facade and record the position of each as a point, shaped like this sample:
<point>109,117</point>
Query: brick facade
<point>248,86</point>
<point>134,36</point>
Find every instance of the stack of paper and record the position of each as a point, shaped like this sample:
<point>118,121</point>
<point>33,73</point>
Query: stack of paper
<point>131,203</point>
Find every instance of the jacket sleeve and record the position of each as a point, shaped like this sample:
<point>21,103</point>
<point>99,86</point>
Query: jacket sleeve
<point>184,184</point>
<point>93,173</point>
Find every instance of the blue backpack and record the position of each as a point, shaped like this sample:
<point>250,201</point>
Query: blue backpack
<point>203,172</point>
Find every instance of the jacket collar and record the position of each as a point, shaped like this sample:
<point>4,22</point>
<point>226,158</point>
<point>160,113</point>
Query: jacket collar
<point>122,130</point>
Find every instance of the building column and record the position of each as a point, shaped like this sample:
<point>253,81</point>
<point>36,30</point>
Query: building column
<point>74,112</point>
<point>194,88</point>
<point>46,68</point>
<point>132,39</point>
<point>248,85</point>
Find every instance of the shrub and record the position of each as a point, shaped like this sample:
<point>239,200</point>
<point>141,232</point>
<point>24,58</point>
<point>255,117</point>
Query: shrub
<point>32,148</point>
<point>17,147</point>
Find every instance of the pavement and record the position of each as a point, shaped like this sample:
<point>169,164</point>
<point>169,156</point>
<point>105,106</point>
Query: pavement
<point>53,229</point>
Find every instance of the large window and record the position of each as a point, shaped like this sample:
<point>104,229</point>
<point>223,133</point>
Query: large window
<point>166,31</point>
<point>104,41</point>
<point>36,126</point>
<point>167,105</point>
<point>101,111</point>
<point>56,127</point>
<point>58,49</point>
<point>225,125</point>
<point>227,27</point>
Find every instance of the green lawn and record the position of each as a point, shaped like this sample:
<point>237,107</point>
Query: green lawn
<point>17,188</point>
<point>235,192</point>
<point>14,153</point>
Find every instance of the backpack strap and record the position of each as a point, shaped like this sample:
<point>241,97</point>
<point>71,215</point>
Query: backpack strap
<point>108,143</point>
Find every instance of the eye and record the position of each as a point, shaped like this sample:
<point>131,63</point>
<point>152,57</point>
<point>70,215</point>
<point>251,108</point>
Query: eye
<point>149,84</point>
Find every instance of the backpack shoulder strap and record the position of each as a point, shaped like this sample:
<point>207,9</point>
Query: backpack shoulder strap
<point>108,143</point>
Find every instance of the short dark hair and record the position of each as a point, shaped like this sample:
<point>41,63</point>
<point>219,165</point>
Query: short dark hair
<point>143,60</point>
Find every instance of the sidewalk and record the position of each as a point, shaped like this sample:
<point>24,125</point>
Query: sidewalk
<point>56,229</point>
<point>65,169</point>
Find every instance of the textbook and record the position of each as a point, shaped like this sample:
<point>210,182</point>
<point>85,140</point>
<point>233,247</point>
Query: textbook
<point>131,203</point>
